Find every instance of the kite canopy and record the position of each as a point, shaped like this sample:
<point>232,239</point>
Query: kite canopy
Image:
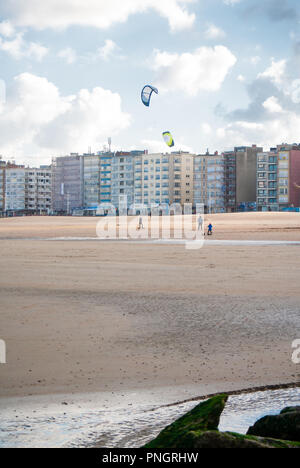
<point>147,93</point>
<point>297,186</point>
<point>168,139</point>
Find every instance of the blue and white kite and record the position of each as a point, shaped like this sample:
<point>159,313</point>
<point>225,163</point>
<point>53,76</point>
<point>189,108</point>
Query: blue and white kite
<point>147,93</point>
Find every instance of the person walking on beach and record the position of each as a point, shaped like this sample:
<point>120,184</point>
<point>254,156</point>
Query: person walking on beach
<point>200,223</point>
<point>141,225</point>
<point>210,228</point>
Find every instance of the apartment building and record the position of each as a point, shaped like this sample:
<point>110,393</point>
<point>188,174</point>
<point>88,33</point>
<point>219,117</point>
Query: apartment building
<point>209,182</point>
<point>15,189</point>
<point>267,181</point>
<point>106,177</point>
<point>123,177</point>
<point>240,178</point>
<point>38,190</point>
<point>230,181</point>
<point>163,179</point>
<point>67,183</point>
<point>2,186</point>
<point>25,190</point>
<point>91,181</point>
<point>182,178</point>
<point>288,175</point>
<point>97,180</point>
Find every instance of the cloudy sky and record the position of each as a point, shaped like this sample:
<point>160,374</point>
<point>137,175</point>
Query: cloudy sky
<point>228,73</point>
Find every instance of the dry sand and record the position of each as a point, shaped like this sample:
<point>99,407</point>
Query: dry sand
<point>106,316</point>
<point>240,226</point>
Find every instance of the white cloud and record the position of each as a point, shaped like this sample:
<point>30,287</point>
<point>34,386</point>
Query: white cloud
<point>275,72</point>
<point>213,32</point>
<point>272,105</point>
<point>284,127</point>
<point>18,48</point>
<point>108,49</point>
<point>98,13</point>
<point>6,29</point>
<point>36,119</point>
<point>203,70</point>
<point>68,54</point>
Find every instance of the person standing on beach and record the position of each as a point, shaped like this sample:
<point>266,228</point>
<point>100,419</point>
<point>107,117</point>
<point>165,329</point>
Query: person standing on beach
<point>200,223</point>
<point>141,226</point>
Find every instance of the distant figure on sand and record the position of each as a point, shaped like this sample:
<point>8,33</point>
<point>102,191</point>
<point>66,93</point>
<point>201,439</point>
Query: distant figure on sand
<point>210,228</point>
<point>141,226</point>
<point>200,223</point>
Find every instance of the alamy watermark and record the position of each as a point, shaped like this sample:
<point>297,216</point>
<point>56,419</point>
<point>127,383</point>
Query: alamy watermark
<point>296,353</point>
<point>159,222</point>
<point>2,352</point>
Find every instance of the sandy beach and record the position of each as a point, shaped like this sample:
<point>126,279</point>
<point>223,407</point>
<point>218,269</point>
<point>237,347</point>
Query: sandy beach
<point>106,316</point>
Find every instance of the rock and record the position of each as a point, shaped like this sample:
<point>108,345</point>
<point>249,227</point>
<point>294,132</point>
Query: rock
<point>199,429</point>
<point>216,439</point>
<point>285,426</point>
<point>205,417</point>
<point>290,409</point>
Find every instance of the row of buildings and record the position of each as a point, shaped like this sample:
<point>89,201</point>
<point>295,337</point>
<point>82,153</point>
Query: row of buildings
<point>244,179</point>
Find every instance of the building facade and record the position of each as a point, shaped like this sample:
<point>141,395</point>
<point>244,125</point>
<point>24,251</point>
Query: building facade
<point>163,179</point>
<point>288,176</point>
<point>241,178</point>
<point>244,179</point>
<point>230,181</point>
<point>25,190</point>
<point>67,183</point>
<point>2,186</point>
<point>91,181</point>
<point>15,189</point>
<point>123,178</point>
<point>267,181</point>
<point>38,190</point>
<point>209,182</point>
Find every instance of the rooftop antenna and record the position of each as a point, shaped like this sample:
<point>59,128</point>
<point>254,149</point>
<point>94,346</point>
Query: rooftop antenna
<point>109,144</point>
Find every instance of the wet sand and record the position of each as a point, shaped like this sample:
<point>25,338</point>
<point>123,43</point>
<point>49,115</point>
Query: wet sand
<point>99,317</point>
<point>121,420</point>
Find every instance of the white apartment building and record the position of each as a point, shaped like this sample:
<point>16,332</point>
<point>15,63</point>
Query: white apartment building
<point>38,190</point>
<point>161,179</point>
<point>27,190</point>
<point>15,189</point>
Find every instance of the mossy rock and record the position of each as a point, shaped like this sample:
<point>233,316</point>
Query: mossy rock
<point>199,429</point>
<point>216,439</point>
<point>204,417</point>
<point>285,426</point>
